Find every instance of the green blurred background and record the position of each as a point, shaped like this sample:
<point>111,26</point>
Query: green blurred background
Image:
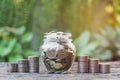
<point>94,24</point>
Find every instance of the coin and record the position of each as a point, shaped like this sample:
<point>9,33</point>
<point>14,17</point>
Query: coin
<point>58,66</point>
<point>51,54</point>
<point>94,70</point>
<point>94,65</point>
<point>12,67</point>
<point>33,64</point>
<point>83,58</point>
<point>104,68</point>
<point>83,70</point>
<point>83,64</point>
<point>61,54</point>
<point>93,60</point>
<point>83,67</point>
<point>23,65</point>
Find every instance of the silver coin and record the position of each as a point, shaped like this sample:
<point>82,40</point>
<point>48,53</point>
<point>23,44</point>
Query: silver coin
<point>83,70</point>
<point>94,69</point>
<point>23,65</point>
<point>33,58</point>
<point>94,66</point>
<point>104,68</point>
<point>12,67</point>
<point>83,67</point>
<point>83,64</point>
<point>33,64</point>
<point>93,60</point>
<point>83,58</point>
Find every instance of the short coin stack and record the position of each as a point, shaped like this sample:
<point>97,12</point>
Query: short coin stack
<point>12,67</point>
<point>104,68</point>
<point>83,66</point>
<point>23,66</point>
<point>94,66</point>
<point>33,64</point>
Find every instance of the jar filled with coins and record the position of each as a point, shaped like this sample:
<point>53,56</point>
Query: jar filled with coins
<point>58,52</point>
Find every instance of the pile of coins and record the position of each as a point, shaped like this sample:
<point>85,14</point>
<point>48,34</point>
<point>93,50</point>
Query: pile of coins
<point>90,65</point>
<point>12,67</point>
<point>104,68</point>
<point>94,66</point>
<point>83,64</point>
<point>33,64</point>
<point>25,65</point>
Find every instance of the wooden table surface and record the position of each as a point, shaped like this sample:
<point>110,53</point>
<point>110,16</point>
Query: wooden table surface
<point>114,75</point>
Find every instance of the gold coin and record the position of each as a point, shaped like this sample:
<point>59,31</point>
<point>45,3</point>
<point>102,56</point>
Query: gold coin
<point>58,66</point>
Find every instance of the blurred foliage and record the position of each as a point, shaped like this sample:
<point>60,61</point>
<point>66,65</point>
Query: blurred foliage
<point>116,5</point>
<point>109,47</point>
<point>113,12</point>
<point>40,16</point>
<point>104,45</point>
<point>84,45</point>
<point>15,12</point>
<point>14,44</point>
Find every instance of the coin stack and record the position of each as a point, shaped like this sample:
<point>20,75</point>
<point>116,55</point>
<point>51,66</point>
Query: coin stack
<point>83,62</point>
<point>12,67</point>
<point>104,67</point>
<point>94,65</point>
<point>33,64</point>
<point>23,66</point>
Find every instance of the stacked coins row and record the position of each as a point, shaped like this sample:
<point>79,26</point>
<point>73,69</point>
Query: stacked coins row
<point>87,65</point>
<point>25,65</point>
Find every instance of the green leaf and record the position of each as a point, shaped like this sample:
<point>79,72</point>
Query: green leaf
<point>107,55</point>
<point>88,48</point>
<point>18,48</point>
<point>12,43</point>
<point>102,39</point>
<point>27,37</point>
<point>29,53</point>
<point>118,52</point>
<point>20,30</point>
<point>7,47</point>
<point>15,57</point>
<point>82,40</point>
<point>91,46</point>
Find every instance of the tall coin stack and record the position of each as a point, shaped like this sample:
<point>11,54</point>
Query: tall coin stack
<point>12,67</point>
<point>23,66</point>
<point>94,66</point>
<point>83,62</point>
<point>33,64</point>
<point>104,68</point>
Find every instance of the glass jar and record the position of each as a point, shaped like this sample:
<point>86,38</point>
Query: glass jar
<point>58,52</point>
